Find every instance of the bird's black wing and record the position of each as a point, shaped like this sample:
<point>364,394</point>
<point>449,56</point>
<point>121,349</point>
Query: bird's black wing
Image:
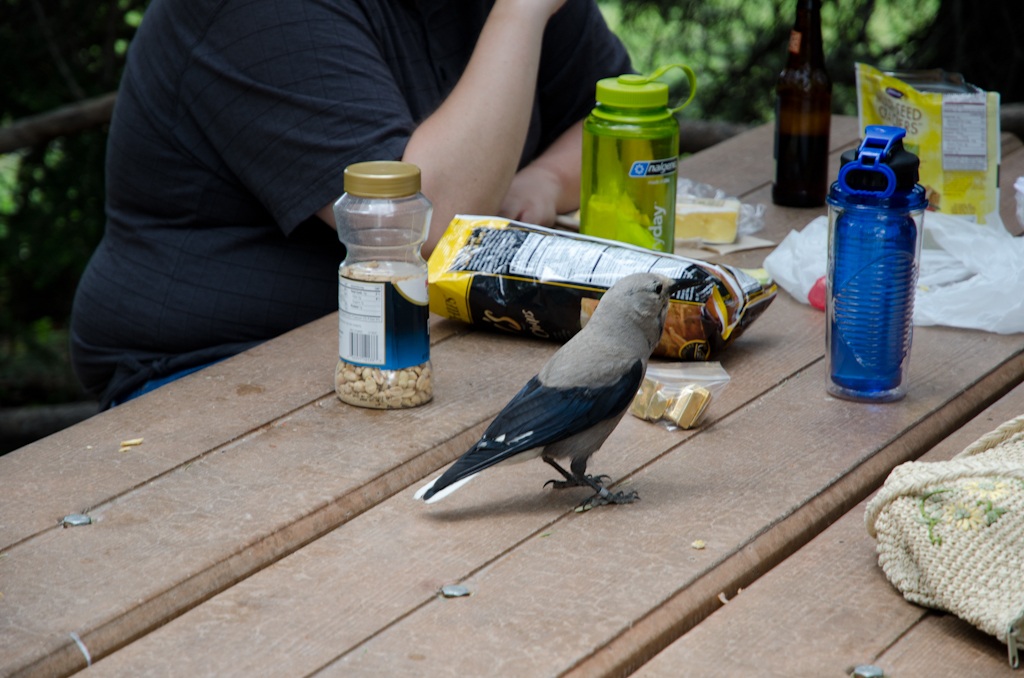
<point>540,415</point>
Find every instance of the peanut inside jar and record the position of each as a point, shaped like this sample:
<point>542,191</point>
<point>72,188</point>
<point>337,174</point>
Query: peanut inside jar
<point>383,389</point>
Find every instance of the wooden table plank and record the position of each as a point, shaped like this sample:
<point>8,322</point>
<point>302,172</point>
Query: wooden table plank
<point>608,586</point>
<point>753,375</point>
<point>945,644</point>
<point>80,467</point>
<point>213,561</point>
<point>829,608</point>
<point>175,540</point>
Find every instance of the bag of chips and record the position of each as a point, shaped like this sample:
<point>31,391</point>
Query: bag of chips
<point>536,281</point>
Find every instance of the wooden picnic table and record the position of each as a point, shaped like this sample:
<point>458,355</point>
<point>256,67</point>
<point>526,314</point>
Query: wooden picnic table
<point>829,608</point>
<point>265,528</point>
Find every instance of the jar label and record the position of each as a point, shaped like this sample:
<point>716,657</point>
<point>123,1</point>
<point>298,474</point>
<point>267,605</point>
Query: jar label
<point>383,324</point>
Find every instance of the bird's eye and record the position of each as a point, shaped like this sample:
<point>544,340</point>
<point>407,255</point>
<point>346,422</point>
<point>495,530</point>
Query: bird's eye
<point>657,290</point>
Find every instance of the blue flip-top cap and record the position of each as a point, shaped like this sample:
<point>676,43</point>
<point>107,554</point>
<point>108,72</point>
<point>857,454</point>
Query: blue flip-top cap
<point>880,166</point>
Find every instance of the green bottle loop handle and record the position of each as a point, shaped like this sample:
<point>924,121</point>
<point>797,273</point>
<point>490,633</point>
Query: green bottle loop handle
<point>690,76</point>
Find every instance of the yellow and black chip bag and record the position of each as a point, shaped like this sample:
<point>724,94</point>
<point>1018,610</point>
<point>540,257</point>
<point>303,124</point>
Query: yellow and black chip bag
<point>537,281</point>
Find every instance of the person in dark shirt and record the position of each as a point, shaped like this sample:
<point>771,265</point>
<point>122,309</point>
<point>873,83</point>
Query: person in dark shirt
<point>234,123</point>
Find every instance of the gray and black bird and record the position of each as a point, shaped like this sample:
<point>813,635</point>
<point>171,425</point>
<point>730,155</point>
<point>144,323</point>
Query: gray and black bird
<point>570,408</point>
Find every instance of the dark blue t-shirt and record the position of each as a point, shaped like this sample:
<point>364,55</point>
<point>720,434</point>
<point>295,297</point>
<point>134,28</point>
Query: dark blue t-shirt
<point>234,122</point>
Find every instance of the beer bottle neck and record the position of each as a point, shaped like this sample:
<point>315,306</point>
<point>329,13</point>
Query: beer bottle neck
<point>805,44</point>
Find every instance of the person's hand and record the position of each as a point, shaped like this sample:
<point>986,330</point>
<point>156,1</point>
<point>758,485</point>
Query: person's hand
<point>550,185</point>
<point>533,197</point>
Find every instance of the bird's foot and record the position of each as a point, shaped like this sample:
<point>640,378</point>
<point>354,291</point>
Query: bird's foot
<point>575,481</point>
<point>605,497</point>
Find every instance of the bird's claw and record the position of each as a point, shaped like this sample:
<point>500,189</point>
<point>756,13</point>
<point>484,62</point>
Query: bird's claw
<point>576,482</point>
<point>605,498</point>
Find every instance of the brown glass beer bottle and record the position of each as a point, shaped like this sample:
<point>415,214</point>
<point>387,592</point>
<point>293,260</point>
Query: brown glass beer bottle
<point>803,111</point>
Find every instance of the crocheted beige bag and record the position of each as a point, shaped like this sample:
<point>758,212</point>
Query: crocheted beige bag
<point>951,534</point>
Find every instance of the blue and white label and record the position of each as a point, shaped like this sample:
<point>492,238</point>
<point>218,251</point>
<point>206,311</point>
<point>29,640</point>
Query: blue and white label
<point>361,322</point>
<point>383,324</point>
<point>653,168</point>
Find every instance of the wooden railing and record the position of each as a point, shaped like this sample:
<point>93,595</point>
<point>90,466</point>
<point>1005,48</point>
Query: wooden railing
<point>694,135</point>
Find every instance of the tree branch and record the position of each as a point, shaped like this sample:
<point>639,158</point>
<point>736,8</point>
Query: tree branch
<point>694,135</point>
<point>39,129</point>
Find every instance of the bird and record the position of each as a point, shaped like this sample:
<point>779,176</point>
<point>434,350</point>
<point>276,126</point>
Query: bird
<point>572,405</point>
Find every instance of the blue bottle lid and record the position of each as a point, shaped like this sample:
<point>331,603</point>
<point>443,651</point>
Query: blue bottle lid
<point>880,172</point>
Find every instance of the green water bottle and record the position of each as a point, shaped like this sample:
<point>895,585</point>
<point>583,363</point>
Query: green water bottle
<point>630,153</point>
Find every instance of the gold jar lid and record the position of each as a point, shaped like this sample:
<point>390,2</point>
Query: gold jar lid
<point>382,179</point>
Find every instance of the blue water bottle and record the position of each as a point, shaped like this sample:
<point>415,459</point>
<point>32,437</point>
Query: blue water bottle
<point>876,211</point>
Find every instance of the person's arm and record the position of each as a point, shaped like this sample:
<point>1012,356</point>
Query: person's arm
<point>469,148</point>
<point>547,187</point>
<point>550,185</point>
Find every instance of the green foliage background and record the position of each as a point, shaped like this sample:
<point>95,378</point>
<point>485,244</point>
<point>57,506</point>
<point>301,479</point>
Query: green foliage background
<point>52,53</point>
<point>55,52</point>
<point>738,47</point>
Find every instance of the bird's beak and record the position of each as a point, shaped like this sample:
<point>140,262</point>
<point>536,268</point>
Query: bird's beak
<point>684,284</point>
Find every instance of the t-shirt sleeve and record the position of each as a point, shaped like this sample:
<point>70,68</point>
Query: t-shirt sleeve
<point>578,50</point>
<point>290,93</point>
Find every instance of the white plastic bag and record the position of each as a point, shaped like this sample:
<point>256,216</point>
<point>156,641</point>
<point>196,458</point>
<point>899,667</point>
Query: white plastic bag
<point>975,281</point>
<point>800,259</point>
<point>990,292</point>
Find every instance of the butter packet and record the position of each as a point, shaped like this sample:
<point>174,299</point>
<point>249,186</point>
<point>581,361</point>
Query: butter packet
<point>706,216</point>
<point>651,401</point>
<point>712,221</point>
<point>677,395</point>
<point>688,406</point>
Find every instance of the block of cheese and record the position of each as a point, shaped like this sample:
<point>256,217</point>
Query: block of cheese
<point>712,221</point>
<point>648,397</point>
<point>687,407</point>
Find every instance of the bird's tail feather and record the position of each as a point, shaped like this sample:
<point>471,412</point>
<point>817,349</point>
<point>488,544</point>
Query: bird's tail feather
<point>428,494</point>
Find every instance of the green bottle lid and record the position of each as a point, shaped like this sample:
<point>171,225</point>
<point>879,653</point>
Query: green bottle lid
<point>632,91</point>
<point>641,92</point>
